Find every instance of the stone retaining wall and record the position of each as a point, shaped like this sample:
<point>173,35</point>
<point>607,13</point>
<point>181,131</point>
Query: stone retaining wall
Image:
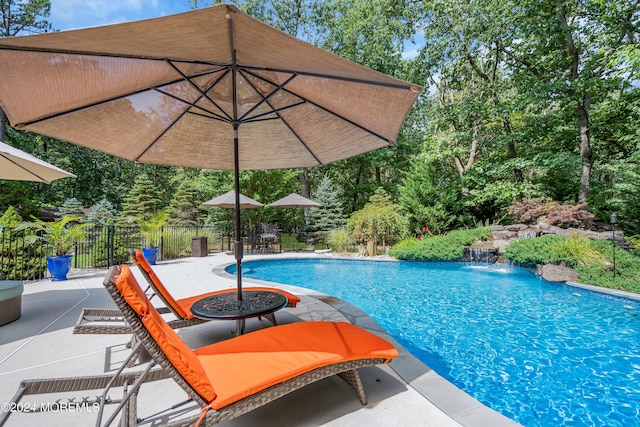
<point>503,235</point>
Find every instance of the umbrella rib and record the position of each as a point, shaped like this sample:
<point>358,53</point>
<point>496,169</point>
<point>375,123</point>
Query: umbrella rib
<point>265,99</point>
<point>105,101</point>
<point>209,114</point>
<point>25,169</point>
<point>324,109</point>
<point>331,77</point>
<point>197,88</point>
<point>261,117</point>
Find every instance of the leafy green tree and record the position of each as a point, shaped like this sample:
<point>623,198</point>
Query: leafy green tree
<point>10,219</point>
<point>380,219</point>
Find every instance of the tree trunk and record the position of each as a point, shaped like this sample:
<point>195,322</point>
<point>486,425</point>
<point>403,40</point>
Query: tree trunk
<point>582,111</point>
<point>585,149</point>
<point>305,183</point>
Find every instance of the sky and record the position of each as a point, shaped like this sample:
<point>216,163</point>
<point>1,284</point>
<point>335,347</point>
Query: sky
<point>72,14</point>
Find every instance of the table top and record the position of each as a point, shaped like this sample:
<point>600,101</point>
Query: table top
<point>227,306</point>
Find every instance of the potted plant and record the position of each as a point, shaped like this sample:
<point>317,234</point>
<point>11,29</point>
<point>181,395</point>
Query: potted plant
<point>60,235</point>
<point>152,232</point>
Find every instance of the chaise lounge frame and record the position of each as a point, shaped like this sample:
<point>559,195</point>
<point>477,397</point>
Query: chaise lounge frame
<point>111,321</point>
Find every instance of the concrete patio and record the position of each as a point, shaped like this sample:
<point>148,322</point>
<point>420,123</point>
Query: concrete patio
<point>41,344</point>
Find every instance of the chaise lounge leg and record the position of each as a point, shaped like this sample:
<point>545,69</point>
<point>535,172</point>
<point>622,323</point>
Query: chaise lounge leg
<point>353,378</point>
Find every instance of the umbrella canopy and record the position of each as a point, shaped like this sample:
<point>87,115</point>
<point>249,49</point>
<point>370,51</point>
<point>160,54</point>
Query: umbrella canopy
<point>228,201</point>
<point>211,88</point>
<point>20,166</point>
<point>294,200</point>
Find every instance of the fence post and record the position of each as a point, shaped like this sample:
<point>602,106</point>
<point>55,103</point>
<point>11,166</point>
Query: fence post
<point>111,232</point>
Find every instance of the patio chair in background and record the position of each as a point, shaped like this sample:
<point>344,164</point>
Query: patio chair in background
<point>269,237</point>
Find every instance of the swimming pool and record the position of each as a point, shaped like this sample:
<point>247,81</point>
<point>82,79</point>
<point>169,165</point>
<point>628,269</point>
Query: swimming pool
<point>543,354</point>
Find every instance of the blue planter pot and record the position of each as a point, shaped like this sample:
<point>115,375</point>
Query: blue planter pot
<point>151,254</point>
<point>59,266</point>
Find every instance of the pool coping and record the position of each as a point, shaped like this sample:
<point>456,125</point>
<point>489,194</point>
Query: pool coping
<point>457,404</point>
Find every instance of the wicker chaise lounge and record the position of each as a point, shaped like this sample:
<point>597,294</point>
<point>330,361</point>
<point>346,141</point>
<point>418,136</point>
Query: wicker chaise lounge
<point>110,321</point>
<point>228,378</point>
<point>181,307</point>
<point>235,376</point>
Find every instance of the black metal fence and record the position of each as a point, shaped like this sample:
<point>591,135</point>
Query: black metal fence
<point>104,246</point>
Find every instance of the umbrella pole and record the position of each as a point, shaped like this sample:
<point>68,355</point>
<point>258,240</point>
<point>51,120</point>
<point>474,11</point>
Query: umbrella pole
<point>237,250</point>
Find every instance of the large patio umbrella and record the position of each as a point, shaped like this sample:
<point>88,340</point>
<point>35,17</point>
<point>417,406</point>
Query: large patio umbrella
<point>20,166</point>
<point>211,88</point>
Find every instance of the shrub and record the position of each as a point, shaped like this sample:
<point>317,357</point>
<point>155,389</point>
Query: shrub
<point>627,269</point>
<point>447,247</point>
<point>531,252</point>
<point>530,211</point>
<point>339,239</point>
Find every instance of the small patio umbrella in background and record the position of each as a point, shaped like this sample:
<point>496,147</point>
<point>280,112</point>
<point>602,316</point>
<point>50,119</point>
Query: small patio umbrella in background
<point>17,165</point>
<point>228,201</point>
<point>294,200</point>
<point>211,88</point>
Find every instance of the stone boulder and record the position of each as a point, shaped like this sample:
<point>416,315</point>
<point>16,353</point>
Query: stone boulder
<point>558,273</point>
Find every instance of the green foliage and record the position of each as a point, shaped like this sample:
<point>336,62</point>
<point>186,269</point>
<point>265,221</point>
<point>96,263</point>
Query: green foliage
<point>446,247</point>
<point>627,269</point>
<point>327,217</point>
<point>339,239</point>
<point>152,228</point>
<point>99,251</point>
<point>142,201</point>
<point>379,219</point>
<point>24,17</point>
<point>70,207</point>
<point>10,219</point>
<point>184,208</point>
<point>19,261</point>
<point>531,252</point>
<point>60,234</point>
<point>102,212</point>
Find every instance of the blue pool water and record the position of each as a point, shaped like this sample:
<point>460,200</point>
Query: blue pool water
<point>540,353</point>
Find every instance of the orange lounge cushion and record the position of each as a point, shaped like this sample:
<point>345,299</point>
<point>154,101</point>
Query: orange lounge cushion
<point>165,295</point>
<point>183,306</point>
<point>178,353</point>
<point>186,303</point>
<point>245,365</point>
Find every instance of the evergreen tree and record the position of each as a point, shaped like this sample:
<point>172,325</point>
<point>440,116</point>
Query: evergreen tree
<point>183,209</point>
<point>103,212</point>
<point>142,201</point>
<point>70,207</point>
<point>326,218</point>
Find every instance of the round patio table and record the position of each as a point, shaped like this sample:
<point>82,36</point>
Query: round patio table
<point>227,306</point>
